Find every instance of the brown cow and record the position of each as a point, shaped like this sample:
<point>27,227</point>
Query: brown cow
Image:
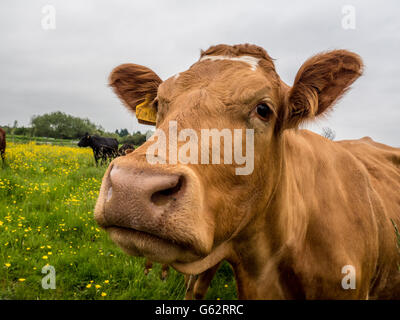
<point>2,144</point>
<point>311,221</point>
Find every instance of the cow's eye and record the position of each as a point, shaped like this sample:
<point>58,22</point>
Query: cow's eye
<point>263,111</point>
<point>155,104</point>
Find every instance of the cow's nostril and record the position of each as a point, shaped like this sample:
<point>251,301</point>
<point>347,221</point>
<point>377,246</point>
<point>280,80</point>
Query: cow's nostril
<point>109,194</point>
<point>162,197</point>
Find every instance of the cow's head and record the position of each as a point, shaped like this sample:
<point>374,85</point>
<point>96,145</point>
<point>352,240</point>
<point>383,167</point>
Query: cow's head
<point>180,212</point>
<point>85,141</point>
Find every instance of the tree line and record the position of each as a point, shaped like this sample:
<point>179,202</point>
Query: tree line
<point>59,125</point>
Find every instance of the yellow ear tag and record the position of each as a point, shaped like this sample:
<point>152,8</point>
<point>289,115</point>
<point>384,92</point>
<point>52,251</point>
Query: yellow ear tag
<point>145,113</point>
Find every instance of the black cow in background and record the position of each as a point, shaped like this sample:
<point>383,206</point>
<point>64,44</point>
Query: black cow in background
<point>103,148</point>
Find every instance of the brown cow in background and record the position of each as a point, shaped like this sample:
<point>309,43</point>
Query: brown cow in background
<point>312,211</point>
<point>2,144</point>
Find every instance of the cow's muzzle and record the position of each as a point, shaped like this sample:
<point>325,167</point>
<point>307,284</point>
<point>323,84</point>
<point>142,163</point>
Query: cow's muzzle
<point>154,213</point>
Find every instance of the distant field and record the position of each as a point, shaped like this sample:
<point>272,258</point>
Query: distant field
<point>42,140</point>
<point>47,141</point>
<point>47,195</point>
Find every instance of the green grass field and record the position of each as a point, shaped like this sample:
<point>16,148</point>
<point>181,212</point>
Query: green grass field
<point>47,196</point>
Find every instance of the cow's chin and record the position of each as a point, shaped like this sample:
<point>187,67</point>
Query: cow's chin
<point>142,244</point>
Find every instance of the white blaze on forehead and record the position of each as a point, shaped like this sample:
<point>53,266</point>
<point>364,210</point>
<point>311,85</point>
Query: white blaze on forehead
<point>252,61</point>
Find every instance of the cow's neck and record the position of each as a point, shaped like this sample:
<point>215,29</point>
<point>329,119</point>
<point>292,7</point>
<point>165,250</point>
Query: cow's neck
<point>273,236</point>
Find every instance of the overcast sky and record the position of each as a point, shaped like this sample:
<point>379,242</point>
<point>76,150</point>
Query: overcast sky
<point>67,68</point>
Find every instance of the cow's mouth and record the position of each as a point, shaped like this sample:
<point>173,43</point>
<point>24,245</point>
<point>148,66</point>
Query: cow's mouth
<point>141,243</point>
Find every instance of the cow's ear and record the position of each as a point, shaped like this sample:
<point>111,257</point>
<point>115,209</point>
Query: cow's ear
<point>319,83</point>
<point>137,87</point>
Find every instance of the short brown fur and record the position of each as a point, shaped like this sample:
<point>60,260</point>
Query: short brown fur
<point>310,207</point>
